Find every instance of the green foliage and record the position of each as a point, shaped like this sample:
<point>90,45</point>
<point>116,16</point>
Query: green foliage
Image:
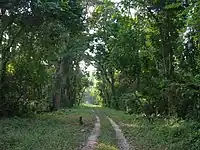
<point>150,58</point>
<point>171,133</point>
<point>184,98</point>
<point>37,39</point>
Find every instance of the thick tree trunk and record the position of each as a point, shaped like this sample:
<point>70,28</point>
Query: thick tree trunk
<point>57,88</point>
<point>115,103</point>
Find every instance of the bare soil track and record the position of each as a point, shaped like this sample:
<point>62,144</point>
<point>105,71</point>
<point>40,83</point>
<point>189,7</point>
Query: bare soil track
<point>93,138</point>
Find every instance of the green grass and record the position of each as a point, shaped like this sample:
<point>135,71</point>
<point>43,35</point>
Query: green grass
<point>107,139</point>
<point>61,130</point>
<point>162,134</point>
<point>48,131</point>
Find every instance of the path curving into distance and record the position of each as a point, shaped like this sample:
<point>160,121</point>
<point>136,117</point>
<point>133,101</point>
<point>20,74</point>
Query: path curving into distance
<point>92,139</point>
<point>123,145</point>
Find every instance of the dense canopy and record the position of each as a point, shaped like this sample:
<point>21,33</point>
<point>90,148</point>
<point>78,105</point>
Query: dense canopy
<point>146,54</point>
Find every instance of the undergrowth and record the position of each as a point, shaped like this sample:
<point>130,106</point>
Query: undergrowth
<point>48,131</point>
<point>161,134</point>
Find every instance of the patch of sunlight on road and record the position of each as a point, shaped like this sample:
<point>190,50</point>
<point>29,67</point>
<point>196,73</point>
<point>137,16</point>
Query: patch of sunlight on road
<point>174,123</point>
<point>102,146</point>
<point>90,105</point>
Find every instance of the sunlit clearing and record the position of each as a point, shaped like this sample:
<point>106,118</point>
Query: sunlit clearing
<point>90,105</point>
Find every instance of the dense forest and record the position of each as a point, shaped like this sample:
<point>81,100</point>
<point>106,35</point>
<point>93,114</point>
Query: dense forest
<point>146,54</point>
<point>42,43</point>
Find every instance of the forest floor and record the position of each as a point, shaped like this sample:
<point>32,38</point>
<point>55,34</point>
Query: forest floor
<point>103,128</point>
<point>58,130</point>
<point>160,134</point>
